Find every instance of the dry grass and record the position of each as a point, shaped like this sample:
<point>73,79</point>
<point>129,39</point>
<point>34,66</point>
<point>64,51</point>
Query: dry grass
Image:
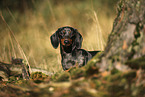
<point>33,29</point>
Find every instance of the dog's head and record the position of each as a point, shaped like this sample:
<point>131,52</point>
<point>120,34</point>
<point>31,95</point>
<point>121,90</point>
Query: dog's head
<point>66,36</point>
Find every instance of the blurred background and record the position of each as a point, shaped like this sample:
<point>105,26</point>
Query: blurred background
<point>26,27</point>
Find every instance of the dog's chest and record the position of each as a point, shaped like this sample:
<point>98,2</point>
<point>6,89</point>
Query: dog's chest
<point>72,60</point>
<point>69,59</point>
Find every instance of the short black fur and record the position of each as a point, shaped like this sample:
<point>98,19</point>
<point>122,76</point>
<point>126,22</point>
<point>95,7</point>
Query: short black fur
<point>70,41</point>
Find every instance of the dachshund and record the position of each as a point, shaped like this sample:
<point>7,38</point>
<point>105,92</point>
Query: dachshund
<point>70,41</point>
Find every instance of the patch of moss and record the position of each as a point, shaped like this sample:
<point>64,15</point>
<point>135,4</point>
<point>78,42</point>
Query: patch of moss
<point>65,76</point>
<point>38,77</point>
<point>55,76</point>
<point>138,90</point>
<point>91,70</point>
<point>121,75</point>
<point>77,73</point>
<point>136,63</point>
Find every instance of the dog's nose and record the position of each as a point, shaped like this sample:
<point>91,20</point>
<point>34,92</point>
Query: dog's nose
<point>66,42</point>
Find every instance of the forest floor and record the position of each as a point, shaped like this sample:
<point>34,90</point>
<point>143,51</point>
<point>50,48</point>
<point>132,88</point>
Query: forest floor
<point>87,81</point>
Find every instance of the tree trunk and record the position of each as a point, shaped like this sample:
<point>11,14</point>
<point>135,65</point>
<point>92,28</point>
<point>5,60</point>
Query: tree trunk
<point>126,41</point>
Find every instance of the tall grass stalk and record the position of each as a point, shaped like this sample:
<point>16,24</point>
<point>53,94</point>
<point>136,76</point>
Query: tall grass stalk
<point>13,49</point>
<point>101,42</point>
<point>19,47</point>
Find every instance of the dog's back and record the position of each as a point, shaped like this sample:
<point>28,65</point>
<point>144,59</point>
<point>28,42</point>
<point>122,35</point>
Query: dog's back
<point>93,53</point>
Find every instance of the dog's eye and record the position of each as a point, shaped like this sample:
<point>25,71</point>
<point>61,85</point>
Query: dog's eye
<point>62,32</point>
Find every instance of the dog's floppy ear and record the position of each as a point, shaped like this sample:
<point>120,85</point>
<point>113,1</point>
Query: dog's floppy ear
<point>78,39</point>
<point>55,39</point>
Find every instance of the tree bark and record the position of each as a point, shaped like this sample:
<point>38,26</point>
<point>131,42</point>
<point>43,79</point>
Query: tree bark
<point>126,41</point>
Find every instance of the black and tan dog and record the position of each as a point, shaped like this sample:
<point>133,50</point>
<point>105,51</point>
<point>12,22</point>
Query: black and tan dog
<point>70,46</point>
